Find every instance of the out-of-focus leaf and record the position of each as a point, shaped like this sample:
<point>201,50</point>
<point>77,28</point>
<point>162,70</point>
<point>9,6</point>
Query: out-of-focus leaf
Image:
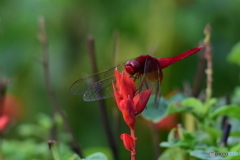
<point>176,109</point>
<point>166,107</point>
<point>212,131</point>
<point>74,157</point>
<point>96,156</point>
<point>236,148</point>
<point>235,134</point>
<point>236,95</point>
<point>232,111</point>
<point>174,153</point>
<point>205,155</point>
<point>155,114</point>
<point>176,98</point>
<point>180,139</point>
<point>234,55</point>
<point>194,103</point>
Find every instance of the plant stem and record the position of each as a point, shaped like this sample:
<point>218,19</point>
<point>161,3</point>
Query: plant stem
<point>101,103</point>
<point>54,149</point>
<point>225,135</point>
<point>116,113</point>
<point>45,63</point>
<point>155,139</point>
<point>225,118</point>
<point>3,88</point>
<point>208,57</point>
<point>199,74</point>
<point>133,156</point>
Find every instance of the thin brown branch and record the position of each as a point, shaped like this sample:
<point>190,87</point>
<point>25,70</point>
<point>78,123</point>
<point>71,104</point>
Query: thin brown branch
<point>208,57</point>
<point>199,74</point>
<point>115,111</point>
<point>3,88</point>
<point>45,62</point>
<point>155,139</point>
<point>101,103</point>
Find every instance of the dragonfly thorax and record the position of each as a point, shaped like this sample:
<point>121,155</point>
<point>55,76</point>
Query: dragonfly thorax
<point>132,67</point>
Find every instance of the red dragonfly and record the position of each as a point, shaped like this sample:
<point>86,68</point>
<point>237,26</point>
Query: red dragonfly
<point>145,68</point>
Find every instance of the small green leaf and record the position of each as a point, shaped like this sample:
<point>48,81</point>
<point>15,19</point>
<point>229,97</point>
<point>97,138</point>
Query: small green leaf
<point>155,114</point>
<point>172,109</point>
<point>74,157</point>
<point>235,133</point>
<point>236,95</point>
<point>193,103</point>
<point>97,156</point>
<point>185,139</point>
<point>205,155</point>
<point>54,149</point>
<point>174,153</point>
<point>234,55</point>
<point>176,98</point>
<point>236,148</point>
<point>212,131</point>
<point>232,111</point>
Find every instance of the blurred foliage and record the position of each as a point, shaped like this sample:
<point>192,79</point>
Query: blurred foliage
<point>162,28</point>
<point>209,132</point>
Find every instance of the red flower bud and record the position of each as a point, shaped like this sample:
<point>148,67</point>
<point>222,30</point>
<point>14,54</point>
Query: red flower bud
<point>129,142</point>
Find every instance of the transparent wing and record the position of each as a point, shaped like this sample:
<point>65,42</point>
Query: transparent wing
<point>100,90</point>
<point>97,86</point>
<point>151,78</point>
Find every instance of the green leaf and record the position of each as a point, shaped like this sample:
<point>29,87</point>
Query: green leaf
<point>54,150</point>
<point>212,131</point>
<point>184,139</point>
<point>236,95</point>
<point>232,111</point>
<point>194,103</point>
<point>97,156</point>
<point>235,133</point>
<point>174,153</point>
<point>74,157</point>
<point>155,114</point>
<point>172,109</point>
<point>176,98</point>
<point>204,154</point>
<point>234,55</point>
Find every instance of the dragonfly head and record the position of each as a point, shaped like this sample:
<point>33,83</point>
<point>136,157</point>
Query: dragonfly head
<point>132,67</point>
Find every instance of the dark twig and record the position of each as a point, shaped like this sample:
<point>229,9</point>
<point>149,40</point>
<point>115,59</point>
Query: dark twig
<point>199,73</point>
<point>225,134</point>
<point>101,103</point>
<point>116,113</point>
<point>155,139</point>
<point>3,88</point>
<point>45,62</point>
<point>225,118</point>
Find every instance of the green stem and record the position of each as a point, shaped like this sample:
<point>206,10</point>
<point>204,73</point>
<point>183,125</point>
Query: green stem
<point>54,149</point>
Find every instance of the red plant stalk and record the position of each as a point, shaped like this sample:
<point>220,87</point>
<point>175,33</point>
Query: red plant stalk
<point>130,103</point>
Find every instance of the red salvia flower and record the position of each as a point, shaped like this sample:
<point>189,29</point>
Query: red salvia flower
<point>129,143</point>
<point>129,102</point>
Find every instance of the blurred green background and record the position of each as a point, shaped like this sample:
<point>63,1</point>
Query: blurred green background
<point>165,27</point>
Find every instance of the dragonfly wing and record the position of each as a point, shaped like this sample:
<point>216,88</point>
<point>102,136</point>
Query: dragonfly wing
<point>95,84</point>
<point>100,90</point>
<point>151,78</point>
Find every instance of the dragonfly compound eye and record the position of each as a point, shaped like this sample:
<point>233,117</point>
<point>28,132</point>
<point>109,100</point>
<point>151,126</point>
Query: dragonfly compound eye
<point>132,67</point>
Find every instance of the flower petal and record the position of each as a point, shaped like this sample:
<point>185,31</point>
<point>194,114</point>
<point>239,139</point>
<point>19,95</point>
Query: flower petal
<point>140,101</point>
<point>128,142</point>
<point>127,86</point>
<point>118,97</point>
<point>3,122</point>
<point>128,112</point>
